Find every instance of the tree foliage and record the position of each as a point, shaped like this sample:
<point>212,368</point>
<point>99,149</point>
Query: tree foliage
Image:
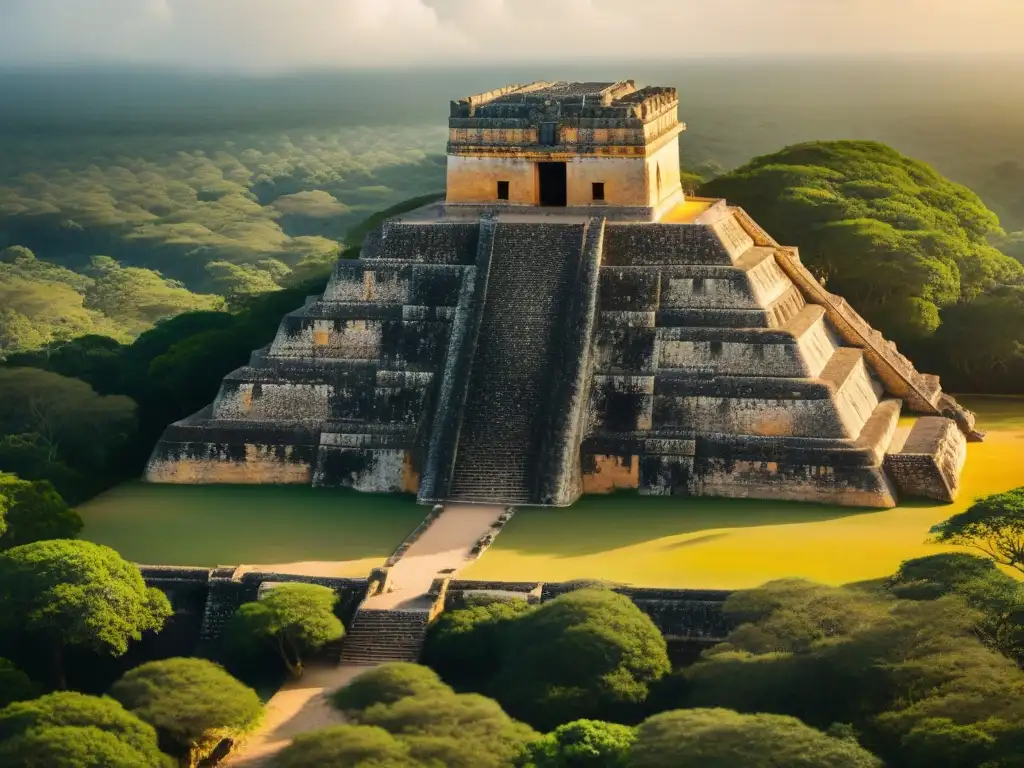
<point>581,744</point>
<point>15,685</point>
<point>462,730</point>
<point>586,654</point>
<point>898,663</point>
<point>192,703</point>
<point>465,645</point>
<point>994,525</point>
<point>33,511</point>
<point>888,233</point>
<point>710,738</point>
<point>79,594</point>
<point>387,684</point>
<point>47,728</point>
<point>345,746</point>
<point>293,619</point>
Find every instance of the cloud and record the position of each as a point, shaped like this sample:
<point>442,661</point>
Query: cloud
<point>286,34</point>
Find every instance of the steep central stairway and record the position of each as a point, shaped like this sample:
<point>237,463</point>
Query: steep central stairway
<point>519,355</point>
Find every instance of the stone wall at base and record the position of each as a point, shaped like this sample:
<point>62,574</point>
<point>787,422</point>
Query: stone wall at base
<point>680,614</point>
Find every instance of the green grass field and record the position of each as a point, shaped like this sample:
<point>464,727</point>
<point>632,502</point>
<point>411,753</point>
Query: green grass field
<point>727,543</point>
<point>651,541</point>
<point>233,524</point>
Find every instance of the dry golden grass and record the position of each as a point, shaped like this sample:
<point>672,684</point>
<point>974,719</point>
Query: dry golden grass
<point>727,544</point>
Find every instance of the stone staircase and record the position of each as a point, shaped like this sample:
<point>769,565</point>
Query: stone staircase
<point>379,636</point>
<point>517,360</point>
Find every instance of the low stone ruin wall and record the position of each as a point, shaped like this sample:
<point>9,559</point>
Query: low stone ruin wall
<point>207,598</point>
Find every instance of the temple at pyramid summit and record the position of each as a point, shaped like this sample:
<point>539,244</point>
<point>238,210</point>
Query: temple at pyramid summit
<point>567,322</point>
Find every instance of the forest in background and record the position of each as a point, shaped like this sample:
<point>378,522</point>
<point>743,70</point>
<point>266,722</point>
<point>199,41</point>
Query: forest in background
<point>155,227</point>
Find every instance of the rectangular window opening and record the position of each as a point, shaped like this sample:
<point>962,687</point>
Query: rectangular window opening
<point>503,190</point>
<point>598,190</point>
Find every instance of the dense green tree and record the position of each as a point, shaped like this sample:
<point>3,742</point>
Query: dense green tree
<point>715,738</point>
<point>15,685</point>
<point>33,511</point>
<point>581,744</point>
<point>387,684</point>
<point>65,417</point>
<point>75,593</point>
<point>345,746</point>
<point>71,747</point>
<point>888,233</point>
<point>980,345</point>
<point>997,596</point>
<point>898,663</point>
<point>29,720</point>
<point>463,730</point>
<point>994,525</point>
<point>590,653</point>
<point>465,645</point>
<point>293,619</point>
<point>192,703</point>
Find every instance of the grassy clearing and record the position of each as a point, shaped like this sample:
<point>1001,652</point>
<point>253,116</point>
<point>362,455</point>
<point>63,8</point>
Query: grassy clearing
<point>726,543</point>
<point>233,524</point>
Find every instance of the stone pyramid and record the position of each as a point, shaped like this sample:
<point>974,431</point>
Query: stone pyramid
<point>526,354</point>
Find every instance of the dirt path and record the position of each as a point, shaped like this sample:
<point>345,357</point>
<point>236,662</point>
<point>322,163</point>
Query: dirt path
<point>300,706</point>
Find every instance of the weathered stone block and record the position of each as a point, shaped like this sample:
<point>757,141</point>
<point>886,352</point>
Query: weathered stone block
<point>930,461</point>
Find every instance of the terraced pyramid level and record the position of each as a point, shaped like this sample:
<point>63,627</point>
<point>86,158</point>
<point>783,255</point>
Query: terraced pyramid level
<point>493,358</point>
<point>566,323</point>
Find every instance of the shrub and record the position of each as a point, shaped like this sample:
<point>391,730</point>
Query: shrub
<point>581,744</point>
<point>465,645</point>
<point>587,654</point>
<point>63,712</point>
<point>388,684</point>
<point>712,738</point>
<point>192,703</point>
<point>344,746</point>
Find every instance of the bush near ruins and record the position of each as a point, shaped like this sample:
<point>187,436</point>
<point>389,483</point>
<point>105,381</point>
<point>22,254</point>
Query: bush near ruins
<point>433,723</point>
<point>581,744</point>
<point>68,729</point>
<point>587,654</point>
<point>915,679</point>
<point>294,620</point>
<point>192,703</point>
<point>387,684</point>
<point>465,645</point>
<point>708,738</point>
<point>345,746</point>
<point>997,596</point>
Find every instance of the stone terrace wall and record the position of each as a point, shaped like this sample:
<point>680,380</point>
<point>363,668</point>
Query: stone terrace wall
<point>682,614</point>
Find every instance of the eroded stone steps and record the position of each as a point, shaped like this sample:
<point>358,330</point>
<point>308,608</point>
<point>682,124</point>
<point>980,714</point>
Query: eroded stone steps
<point>518,353</point>
<point>381,636</point>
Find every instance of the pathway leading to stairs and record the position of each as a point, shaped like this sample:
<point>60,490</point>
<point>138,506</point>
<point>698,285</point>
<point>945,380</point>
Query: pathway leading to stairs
<point>302,705</point>
<point>444,545</point>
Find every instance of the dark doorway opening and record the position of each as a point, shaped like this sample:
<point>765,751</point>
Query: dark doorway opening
<point>552,184</point>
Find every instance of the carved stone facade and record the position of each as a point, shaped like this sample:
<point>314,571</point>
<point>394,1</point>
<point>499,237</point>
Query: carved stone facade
<point>527,355</point>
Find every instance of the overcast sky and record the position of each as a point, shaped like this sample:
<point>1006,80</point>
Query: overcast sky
<point>289,34</point>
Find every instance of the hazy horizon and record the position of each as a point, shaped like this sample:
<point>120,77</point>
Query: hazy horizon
<point>220,36</point>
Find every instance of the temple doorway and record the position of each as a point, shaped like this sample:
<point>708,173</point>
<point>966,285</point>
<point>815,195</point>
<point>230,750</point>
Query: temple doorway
<point>552,184</point>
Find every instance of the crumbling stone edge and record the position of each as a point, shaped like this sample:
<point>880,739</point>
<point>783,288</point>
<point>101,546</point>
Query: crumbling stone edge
<point>413,537</point>
<point>488,538</point>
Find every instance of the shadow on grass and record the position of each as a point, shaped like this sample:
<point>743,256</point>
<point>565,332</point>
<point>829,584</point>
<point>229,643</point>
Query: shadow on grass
<point>232,524</point>
<point>601,523</point>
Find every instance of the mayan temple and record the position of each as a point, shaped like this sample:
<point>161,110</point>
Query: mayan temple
<point>567,322</point>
